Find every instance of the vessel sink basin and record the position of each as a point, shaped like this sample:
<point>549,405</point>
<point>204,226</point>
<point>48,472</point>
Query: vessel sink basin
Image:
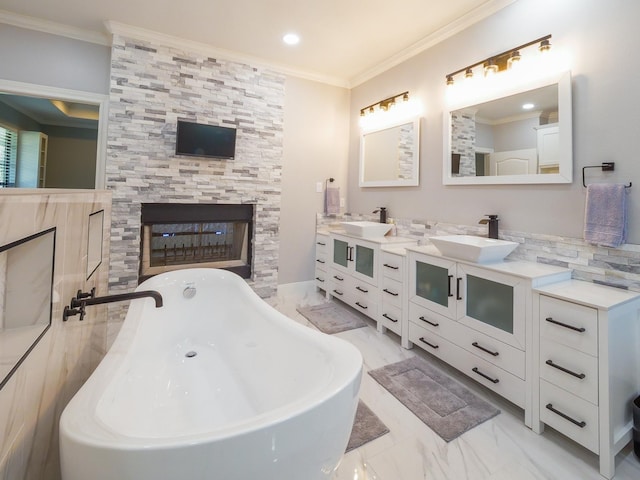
<point>366,229</point>
<point>472,248</point>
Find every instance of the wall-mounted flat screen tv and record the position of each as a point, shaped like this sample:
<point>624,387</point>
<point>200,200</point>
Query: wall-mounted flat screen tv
<point>200,140</point>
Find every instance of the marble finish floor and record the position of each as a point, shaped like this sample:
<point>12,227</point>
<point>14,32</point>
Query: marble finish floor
<point>500,449</point>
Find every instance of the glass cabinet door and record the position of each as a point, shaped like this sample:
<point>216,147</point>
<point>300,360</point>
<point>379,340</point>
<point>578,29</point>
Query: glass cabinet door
<point>490,303</point>
<point>340,253</point>
<point>433,284</point>
<point>365,258</point>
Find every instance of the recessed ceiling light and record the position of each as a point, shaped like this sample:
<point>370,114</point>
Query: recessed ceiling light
<point>291,39</point>
<point>528,106</point>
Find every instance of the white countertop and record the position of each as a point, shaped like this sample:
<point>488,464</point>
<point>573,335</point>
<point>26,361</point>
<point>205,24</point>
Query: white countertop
<point>518,268</point>
<point>587,293</point>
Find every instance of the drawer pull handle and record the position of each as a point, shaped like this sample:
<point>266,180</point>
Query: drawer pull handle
<point>565,370</point>
<point>570,327</point>
<point>320,279</point>
<point>340,279</point>
<point>449,292</point>
<point>565,416</point>
<point>432,345</point>
<point>390,292</point>
<point>363,290</point>
<point>321,244</point>
<point>391,266</point>
<point>495,354</point>
<point>337,292</point>
<point>492,380</point>
<point>433,324</point>
<point>320,261</point>
<point>364,307</point>
<point>389,318</point>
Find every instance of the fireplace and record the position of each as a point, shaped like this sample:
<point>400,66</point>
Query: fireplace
<point>176,236</point>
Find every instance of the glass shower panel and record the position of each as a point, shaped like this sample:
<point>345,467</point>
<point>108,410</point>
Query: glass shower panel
<point>364,260</point>
<point>432,283</point>
<point>490,302</point>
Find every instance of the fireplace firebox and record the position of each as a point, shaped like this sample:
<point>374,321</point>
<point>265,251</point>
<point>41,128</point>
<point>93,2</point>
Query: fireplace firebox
<point>176,236</point>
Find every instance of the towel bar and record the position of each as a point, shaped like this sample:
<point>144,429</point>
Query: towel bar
<point>606,167</point>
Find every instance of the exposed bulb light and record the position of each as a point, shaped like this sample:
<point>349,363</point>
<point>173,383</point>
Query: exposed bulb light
<point>490,67</point>
<point>449,79</point>
<point>514,59</point>
<point>405,97</point>
<point>468,73</point>
<point>291,39</point>
<point>545,45</point>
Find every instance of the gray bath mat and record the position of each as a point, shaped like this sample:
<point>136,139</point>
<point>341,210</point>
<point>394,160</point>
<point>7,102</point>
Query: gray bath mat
<point>366,427</point>
<point>443,404</point>
<point>332,317</point>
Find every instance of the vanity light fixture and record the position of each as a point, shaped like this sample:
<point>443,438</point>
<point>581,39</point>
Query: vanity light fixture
<point>385,104</point>
<point>502,61</point>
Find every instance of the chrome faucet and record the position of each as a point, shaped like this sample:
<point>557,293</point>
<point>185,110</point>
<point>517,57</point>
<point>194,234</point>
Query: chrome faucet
<point>493,225</point>
<point>78,304</point>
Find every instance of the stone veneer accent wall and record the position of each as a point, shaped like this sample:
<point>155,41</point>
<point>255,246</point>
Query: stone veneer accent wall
<point>616,267</point>
<point>152,86</point>
<point>463,141</point>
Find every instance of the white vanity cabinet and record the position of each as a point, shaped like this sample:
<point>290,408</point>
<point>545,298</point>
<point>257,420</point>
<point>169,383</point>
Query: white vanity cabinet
<point>588,364</point>
<point>393,291</point>
<point>322,260</point>
<point>354,270</point>
<point>478,317</point>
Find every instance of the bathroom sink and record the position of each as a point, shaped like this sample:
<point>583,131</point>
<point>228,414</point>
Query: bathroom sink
<point>366,229</point>
<point>472,248</point>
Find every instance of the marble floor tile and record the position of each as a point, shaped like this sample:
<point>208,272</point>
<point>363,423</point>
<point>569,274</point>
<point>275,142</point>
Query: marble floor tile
<point>502,448</point>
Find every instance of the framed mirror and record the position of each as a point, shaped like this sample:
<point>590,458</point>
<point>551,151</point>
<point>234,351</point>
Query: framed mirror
<point>26,277</point>
<point>390,156</point>
<point>522,136</point>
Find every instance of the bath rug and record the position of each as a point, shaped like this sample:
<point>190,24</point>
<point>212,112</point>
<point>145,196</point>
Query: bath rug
<point>366,427</point>
<point>443,404</point>
<point>332,317</point>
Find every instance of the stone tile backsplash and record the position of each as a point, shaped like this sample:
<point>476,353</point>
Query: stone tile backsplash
<point>617,267</point>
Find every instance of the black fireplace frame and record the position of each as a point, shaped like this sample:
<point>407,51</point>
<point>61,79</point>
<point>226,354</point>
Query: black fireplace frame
<point>199,212</point>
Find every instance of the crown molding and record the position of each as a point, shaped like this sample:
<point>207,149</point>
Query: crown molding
<point>54,28</point>
<point>449,30</point>
<point>153,37</point>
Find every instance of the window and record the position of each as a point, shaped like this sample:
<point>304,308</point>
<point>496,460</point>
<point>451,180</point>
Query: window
<point>8,148</point>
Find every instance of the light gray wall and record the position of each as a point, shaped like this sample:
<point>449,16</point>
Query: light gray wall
<point>316,127</point>
<point>606,121</point>
<point>44,59</point>
<point>71,157</point>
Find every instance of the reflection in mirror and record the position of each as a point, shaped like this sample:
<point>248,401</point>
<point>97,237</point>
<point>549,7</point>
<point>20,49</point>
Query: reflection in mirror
<point>94,242</point>
<point>26,282</point>
<point>520,138</point>
<point>47,142</point>
<point>390,156</point>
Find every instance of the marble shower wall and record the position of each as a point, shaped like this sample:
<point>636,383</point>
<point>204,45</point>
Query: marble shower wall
<point>35,395</point>
<point>152,86</point>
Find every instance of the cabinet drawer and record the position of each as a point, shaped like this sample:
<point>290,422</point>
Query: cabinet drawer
<point>339,285</point>
<point>321,279</point>
<point>427,319</point>
<point>393,266</point>
<point>569,369</point>
<point>569,324</point>
<point>322,243</point>
<point>503,383</point>
<point>391,317</point>
<point>321,261</point>
<point>573,416</point>
<point>392,292</point>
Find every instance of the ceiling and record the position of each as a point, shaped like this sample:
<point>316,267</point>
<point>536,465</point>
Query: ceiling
<point>53,112</point>
<point>342,41</point>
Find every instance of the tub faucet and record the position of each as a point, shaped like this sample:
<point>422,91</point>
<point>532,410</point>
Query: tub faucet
<point>77,305</point>
<point>493,225</point>
<point>383,214</point>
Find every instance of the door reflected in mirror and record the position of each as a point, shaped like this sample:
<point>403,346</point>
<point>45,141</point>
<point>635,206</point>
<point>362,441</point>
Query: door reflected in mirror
<point>389,156</point>
<point>26,277</point>
<point>524,137</point>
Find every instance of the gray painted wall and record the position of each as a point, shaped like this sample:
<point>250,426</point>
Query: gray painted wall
<point>606,120</point>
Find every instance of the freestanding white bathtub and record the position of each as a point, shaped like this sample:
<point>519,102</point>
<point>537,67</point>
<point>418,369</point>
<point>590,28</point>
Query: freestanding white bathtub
<point>219,386</point>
